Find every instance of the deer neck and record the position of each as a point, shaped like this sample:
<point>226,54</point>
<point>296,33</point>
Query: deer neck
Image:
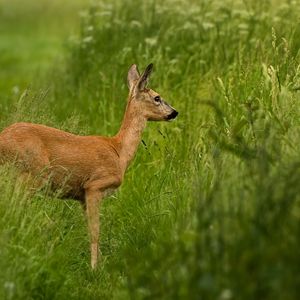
<point>130,134</point>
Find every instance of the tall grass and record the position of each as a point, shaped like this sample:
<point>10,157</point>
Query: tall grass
<point>210,207</point>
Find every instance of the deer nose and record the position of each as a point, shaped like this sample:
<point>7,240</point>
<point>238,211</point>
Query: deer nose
<point>172,115</point>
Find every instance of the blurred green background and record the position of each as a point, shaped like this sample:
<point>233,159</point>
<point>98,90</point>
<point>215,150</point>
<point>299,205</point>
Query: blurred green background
<point>210,207</point>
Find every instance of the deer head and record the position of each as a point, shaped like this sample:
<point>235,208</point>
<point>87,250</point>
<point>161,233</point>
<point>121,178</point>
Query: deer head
<point>146,101</point>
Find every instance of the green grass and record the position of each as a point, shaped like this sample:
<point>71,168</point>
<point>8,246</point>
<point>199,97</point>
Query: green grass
<point>32,39</point>
<point>210,207</point>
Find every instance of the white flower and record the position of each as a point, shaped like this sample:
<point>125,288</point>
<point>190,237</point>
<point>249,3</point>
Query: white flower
<point>208,25</point>
<point>151,41</point>
<point>226,294</point>
<point>87,39</point>
<point>135,23</point>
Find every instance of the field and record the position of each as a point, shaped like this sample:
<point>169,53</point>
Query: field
<point>210,207</point>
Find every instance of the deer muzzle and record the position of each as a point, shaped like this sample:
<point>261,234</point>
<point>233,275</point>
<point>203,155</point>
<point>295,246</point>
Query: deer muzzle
<point>172,115</point>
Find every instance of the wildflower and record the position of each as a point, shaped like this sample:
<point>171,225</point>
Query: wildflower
<point>151,41</point>
<point>87,39</point>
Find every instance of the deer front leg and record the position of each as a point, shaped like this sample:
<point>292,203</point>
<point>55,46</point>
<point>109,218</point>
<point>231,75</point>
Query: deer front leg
<point>92,199</point>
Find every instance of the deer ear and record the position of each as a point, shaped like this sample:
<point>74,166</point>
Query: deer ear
<point>133,76</point>
<point>145,77</point>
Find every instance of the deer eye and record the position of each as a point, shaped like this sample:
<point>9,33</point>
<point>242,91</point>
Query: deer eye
<point>157,99</point>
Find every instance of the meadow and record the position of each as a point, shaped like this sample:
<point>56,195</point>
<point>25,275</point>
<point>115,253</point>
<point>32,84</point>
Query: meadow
<point>210,207</point>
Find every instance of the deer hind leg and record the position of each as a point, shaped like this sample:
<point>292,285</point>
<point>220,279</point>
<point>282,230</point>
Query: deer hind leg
<point>92,199</point>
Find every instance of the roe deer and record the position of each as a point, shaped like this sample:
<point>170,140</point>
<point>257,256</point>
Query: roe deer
<point>85,167</point>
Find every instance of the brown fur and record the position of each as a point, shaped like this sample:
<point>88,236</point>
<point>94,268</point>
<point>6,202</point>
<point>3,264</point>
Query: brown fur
<point>85,167</point>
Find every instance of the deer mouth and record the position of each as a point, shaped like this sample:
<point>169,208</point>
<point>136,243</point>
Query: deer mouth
<point>172,115</point>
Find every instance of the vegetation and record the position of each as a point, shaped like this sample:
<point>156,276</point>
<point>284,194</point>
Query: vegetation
<point>210,208</point>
